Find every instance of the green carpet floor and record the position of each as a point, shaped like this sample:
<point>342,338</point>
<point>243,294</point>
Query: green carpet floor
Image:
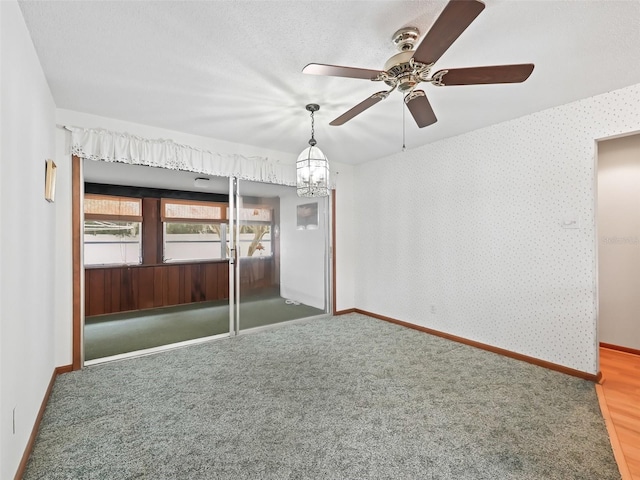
<point>113,334</point>
<point>347,397</point>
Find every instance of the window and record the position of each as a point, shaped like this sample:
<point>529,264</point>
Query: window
<point>112,230</point>
<point>255,232</point>
<point>193,230</point>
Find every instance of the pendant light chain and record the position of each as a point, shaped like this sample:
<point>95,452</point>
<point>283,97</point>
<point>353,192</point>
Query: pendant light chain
<point>312,142</point>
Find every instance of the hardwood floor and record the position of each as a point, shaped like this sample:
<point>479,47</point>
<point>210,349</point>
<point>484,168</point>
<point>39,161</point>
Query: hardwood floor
<point>620,390</point>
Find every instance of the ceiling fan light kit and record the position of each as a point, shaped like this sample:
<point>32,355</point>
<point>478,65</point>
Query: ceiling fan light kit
<point>312,166</point>
<point>404,71</point>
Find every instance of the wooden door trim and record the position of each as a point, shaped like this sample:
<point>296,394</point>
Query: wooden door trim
<point>76,219</point>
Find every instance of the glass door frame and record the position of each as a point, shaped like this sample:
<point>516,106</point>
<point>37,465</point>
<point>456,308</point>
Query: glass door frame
<point>234,299</point>
<point>235,203</point>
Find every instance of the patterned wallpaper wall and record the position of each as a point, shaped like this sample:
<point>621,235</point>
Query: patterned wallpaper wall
<point>466,235</point>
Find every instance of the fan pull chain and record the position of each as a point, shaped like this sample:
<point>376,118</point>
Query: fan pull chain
<point>404,146</point>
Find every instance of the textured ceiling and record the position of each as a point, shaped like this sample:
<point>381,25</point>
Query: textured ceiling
<point>232,69</point>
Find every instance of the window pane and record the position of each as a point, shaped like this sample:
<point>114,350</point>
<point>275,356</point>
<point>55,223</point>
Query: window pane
<point>106,205</point>
<point>255,214</point>
<point>193,241</point>
<point>255,241</point>
<point>190,210</point>
<point>112,243</point>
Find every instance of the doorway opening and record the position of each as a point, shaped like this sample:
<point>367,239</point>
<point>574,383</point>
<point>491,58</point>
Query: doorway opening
<point>195,264</point>
<point>618,242</point>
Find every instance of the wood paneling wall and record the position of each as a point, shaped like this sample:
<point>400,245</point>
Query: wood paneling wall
<point>138,287</point>
<point>257,273</point>
<point>121,289</point>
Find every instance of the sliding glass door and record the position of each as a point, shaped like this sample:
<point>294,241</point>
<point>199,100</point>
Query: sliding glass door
<point>168,267</point>
<point>156,265</point>
<point>281,255</point>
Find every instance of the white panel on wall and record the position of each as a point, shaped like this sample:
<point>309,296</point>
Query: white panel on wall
<point>466,235</point>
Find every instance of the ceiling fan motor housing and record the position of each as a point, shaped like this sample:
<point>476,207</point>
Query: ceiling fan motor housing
<point>402,71</point>
<point>398,67</point>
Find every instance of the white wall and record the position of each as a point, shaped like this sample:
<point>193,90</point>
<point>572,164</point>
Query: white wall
<point>63,259</point>
<point>619,241</point>
<point>471,225</point>
<point>346,235</point>
<point>302,258</point>
<point>27,238</point>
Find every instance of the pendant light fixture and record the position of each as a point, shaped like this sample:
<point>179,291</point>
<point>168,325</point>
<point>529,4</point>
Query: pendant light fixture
<point>312,167</point>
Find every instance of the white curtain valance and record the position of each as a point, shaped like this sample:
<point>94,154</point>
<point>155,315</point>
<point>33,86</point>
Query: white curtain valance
<point>108,146</point>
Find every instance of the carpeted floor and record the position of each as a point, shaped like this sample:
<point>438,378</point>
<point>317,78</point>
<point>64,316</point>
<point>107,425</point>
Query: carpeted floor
<point>107,335</point>
<point>345,397</point>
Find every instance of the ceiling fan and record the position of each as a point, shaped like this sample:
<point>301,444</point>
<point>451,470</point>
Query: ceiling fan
<point>407,69</point>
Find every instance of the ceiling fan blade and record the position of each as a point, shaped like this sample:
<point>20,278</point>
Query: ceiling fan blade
<point>454,19</point>
<point>420,108</point>
<point>338,71</point>
<point>359,108</point>
<point>484,75</point>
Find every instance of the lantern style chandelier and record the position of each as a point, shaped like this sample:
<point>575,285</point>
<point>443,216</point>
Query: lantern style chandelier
<point>312,167</point>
